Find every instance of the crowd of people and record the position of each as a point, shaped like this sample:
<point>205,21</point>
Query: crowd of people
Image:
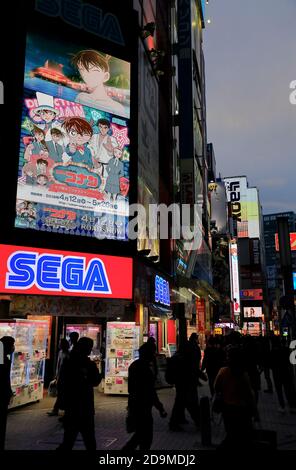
<point>234,366</point>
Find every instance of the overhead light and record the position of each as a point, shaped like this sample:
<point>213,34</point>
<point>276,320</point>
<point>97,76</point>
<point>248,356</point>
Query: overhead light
<point>118,318</point>
<point>210,297</point>
<point>193,293</point>
<point>180,294</point>
<point>209,21</point>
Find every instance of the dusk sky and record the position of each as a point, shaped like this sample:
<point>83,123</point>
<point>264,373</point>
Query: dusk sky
<point>250,54</point>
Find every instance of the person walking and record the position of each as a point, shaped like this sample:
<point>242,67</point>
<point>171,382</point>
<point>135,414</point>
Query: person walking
<point>7,349</point>
<point>233,385</point>
<point>282,373</point>
<point>212,361</point>
<point>79,375</point>
<point>186,382</point>
<point>142,398</point>
<point>73,339</point>
<point>62,357</point>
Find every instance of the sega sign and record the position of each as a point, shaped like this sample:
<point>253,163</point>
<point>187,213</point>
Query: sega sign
<point>162,291</point>
<point>51,272</point>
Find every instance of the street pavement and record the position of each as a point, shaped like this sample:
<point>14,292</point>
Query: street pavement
<point>29,427</point>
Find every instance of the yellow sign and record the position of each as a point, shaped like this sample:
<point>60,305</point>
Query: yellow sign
<point>218,331</point>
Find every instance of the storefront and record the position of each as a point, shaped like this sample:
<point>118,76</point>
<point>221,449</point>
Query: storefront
<point>68,292</point>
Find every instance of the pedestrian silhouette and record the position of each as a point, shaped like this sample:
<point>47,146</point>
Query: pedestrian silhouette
<point>78,377</point>
<point>238,400</point>
<point>142,398</point>
<point>187,373</point>
<point>5,385</point>
<point>62,357</point>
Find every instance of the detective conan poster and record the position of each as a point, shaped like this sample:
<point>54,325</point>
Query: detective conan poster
<point>74,156</point>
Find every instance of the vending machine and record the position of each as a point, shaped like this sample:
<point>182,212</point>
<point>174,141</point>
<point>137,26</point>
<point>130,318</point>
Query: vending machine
<point>28,360</point>
<point>122,346</point>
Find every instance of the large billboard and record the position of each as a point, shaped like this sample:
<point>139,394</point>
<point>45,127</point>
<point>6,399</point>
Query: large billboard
<point>244,203</point>
<point>236,190</point>
<point>253,312</point>
<point>251,294</point>
<point>74,152</point>
<point>27,270</point>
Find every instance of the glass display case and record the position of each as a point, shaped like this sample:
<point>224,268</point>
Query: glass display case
<point>122,346</point>
<point>28,361</point>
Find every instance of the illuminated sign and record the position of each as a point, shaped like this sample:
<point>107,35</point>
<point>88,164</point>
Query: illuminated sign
<point>292,241</point>
<point>52,272</point>
<point>74,149</point>
<point>253,312</point>
<point>236,190</point>
<point>294,280</point>
<point>234,277</point>
<point>162,291</point>
<point>251,294</point>
<point>218,331</point>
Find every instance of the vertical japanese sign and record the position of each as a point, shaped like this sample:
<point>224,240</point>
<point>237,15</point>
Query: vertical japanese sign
<point>234,277</point>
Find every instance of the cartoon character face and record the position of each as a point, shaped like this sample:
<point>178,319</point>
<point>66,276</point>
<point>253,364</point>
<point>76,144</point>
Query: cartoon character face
<point>39,136</point>
<point>94,76</point>
<point>47,115</point>
<point>78,139</point>
<point>56,137</point>
<point>103,129</point>
<point>42,180</point>
<point>117,152</point>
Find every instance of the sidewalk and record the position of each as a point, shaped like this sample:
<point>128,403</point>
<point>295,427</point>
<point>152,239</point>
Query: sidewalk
<point>29,427</point>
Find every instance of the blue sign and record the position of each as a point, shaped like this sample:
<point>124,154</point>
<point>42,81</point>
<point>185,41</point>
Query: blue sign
<point>294,280</point>
<point>162,291</point>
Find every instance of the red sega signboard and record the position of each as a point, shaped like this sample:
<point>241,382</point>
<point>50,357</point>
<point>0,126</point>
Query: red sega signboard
<point>53,272</point>
<point>251,294</point>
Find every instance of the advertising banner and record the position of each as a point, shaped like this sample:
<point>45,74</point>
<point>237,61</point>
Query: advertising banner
<point>292,241</point>
<point>253,312</point>
<point>74,153</point>
<point>64,273</point>
<point>251,294</point>
<point>236,190</point>
<point>234,277</point>
<point>200,315</point>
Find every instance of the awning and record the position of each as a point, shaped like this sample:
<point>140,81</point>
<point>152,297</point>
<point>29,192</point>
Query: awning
<point>160,311</point>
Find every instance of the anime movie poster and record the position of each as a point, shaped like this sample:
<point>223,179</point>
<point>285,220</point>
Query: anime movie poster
<point>74,145</point>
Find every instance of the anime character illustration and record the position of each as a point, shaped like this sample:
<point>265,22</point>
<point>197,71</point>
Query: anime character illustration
<point>42,180</point>
<point>37,145</point>
<point>54,146</point>
<point>115,170</point>
<point>103,145</point>
<point>30,172</point>
<point>45,112</point>
<point>94,70</point>
<point>79,132</point>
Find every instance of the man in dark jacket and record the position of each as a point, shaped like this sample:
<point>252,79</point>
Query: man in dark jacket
<point>78,376</point>
<point>142,397</point>
<point>7,348</point>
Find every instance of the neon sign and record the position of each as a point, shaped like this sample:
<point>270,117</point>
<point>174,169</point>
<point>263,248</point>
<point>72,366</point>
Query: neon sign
<point>51,272</point>
<point>162,291</point>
